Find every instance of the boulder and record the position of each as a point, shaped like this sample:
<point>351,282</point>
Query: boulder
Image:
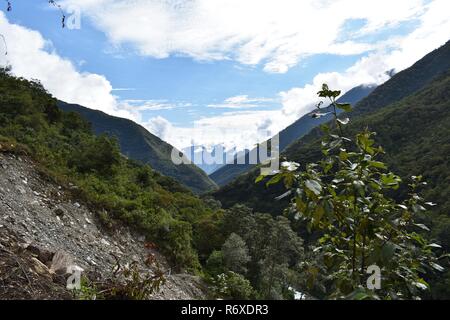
<point>40,268</point>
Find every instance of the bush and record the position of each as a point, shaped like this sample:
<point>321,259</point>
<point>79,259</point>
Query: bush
<point>233,286</point>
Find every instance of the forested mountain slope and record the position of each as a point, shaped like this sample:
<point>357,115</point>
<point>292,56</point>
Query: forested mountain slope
<point>116,188</point>
<point>244,190</point>
<point>415,133</point>
<point>140,145</point>
<point>92,186</point>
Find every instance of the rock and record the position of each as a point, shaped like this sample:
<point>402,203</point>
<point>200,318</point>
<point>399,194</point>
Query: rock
<point>61,262</point>
<point>91,261</point>
<point>44,255</point>
<point>87,220</point>
<point>59,212</point>
<point>40,268</point>
<point>21,189</point>
<point>106,243</point>
<point>76,204</point>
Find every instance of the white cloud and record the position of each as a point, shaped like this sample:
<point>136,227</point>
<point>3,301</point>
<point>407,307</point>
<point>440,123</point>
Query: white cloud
<point>241,128</point>
<point>139,105</point>
<point>243,102</point>
<point>32,57</point>
<point>277,33</point>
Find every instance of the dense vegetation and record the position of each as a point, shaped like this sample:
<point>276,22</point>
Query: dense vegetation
<point>116,187</point>
<point>349,197</point>
<point>193,232</point>
<point>305,149</point>
<point>138,144</point>
<point>246,254</point>
<point>415,134</point>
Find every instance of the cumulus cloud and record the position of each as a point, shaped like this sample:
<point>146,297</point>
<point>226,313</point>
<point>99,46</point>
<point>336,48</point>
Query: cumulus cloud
<point>274,34</point>
<point>277,34</point>
<point>243,102</point>
<point>33,57</point>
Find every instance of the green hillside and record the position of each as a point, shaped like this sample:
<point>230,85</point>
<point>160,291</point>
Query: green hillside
<point>194,233</point>
<point>243,189</point>
<point>118,189</point>
<point>140,145</point>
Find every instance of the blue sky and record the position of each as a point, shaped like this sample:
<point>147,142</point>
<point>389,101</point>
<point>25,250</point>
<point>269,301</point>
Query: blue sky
<point>241,78</point>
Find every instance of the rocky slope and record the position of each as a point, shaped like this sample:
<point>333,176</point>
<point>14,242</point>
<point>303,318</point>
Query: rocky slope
<point>39,222</point>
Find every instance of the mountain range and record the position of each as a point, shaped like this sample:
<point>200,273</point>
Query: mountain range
<point>139,144</point>
<point>298,129</point>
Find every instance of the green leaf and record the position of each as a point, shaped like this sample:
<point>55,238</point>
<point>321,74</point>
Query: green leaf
<point>274,180</point>
<point>347,107</point>
<point>377,164</point>
<point>421,284</point>
<point>418,208</point>
<point>437,267</point>
<point>259,179</point>
<point>284,195</point>
<point>431,204</point>
<point>318,214</point>
<point>434,245</point>
<point>344,121</point>
<point>314,186</point>
<point>422,226</point>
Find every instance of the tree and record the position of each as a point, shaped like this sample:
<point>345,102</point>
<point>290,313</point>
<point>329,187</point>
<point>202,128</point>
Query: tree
<point>284,250</point>
<point>231,285</point>
<point>99,154</point>
<point>235,254</point>
<point>275,250</point>
<point>347,196</point>
<point>214,264</point>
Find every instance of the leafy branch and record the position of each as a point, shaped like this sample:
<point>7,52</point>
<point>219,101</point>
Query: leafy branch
<point>349,198</point>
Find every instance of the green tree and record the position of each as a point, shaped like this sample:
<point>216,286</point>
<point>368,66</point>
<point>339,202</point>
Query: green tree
<point>215,264</point>
<point>231,285</point>
<point>348,196</point>
<point>283,251</point>
<point>99,155</point>
<point>235,254</point>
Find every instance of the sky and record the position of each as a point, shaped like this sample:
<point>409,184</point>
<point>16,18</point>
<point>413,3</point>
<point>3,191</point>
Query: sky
<point>208,72</point>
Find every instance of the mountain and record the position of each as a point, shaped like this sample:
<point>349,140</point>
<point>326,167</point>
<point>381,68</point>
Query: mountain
<point>387,96</point>
<point>140,145</point>
<point>58,179</point>
<point>298,129</point>
<point>198,155</point>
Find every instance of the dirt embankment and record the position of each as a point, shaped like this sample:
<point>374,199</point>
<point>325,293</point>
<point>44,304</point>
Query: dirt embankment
<point>42,229</point>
